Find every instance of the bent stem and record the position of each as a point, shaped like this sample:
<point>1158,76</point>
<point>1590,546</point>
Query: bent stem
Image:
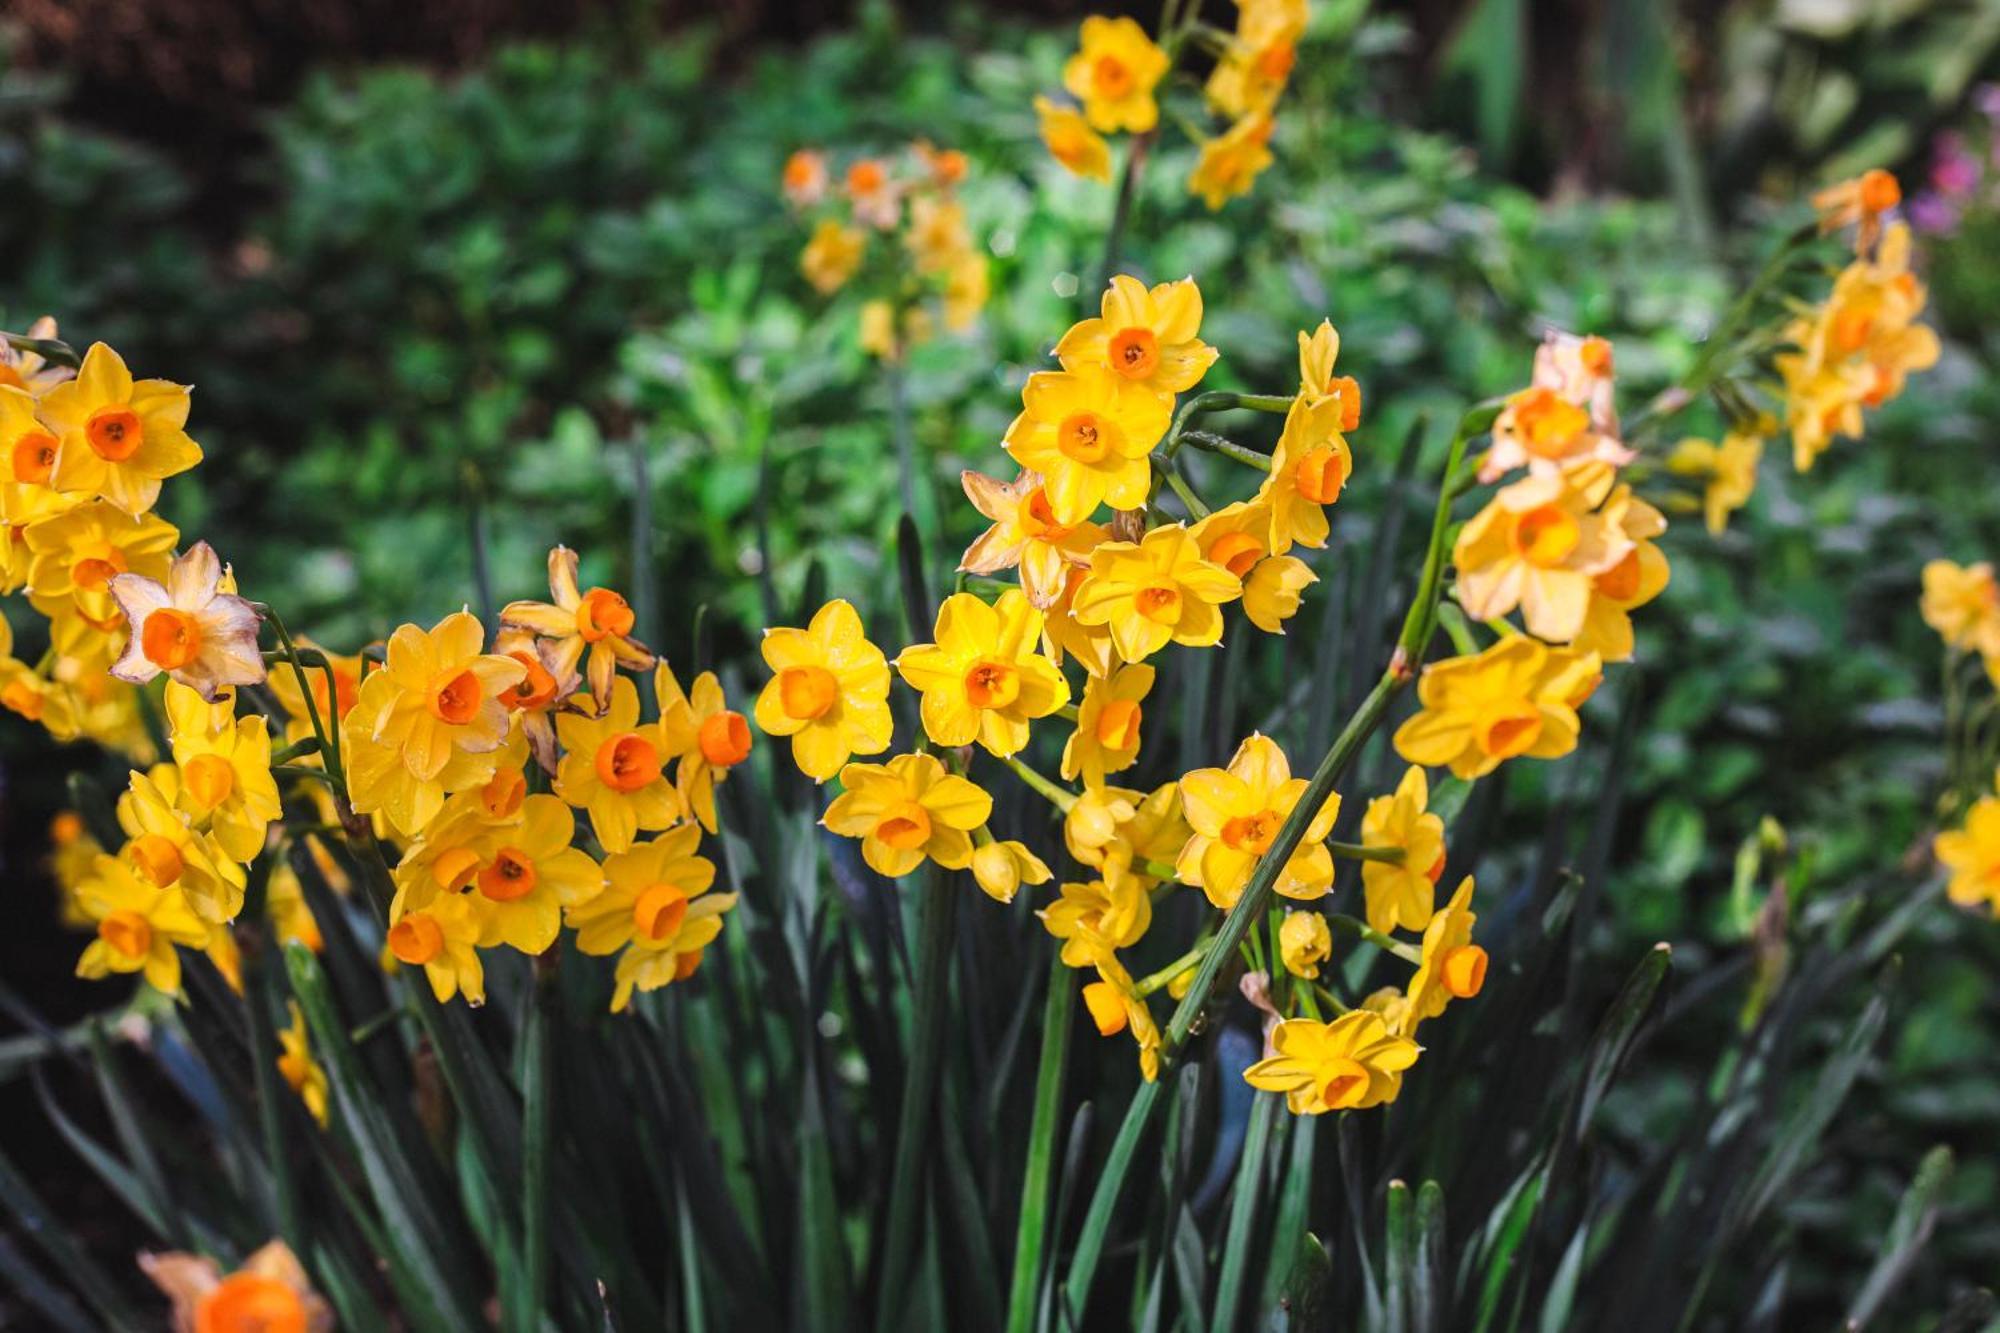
<point>1361,930</point>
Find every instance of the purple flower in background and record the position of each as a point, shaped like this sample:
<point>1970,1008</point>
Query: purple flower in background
<point>1933,214</point>
<point>1987,99</point>
<point>1954,171</point>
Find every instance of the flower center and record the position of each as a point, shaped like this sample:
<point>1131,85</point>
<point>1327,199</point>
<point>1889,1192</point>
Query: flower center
<point>1594,355</point>
<point>512,875</point>
<point>416,939</point>
<point>114,432</point>
<point>628,762</point>
<point>1348,390</point>
<point>535,690</point>
<point>1237,552</point>
<point>94,571</point>
<point>807,692</point>
<point>453,868</point>
<point>209,779</point>
<point>1084,436</point>
<point>1252,833</point>
<point>866,176</point>
<point>1112,76</point>
<point>1037,517</point>
<point>1160,603</point>
<point>1879,191</point>
<point>127,932</point>
<point>1620,583</point>
<point>1548,422</point>
<point>1346,1082</point>
<point>1546,535</point>
<point>1135,353</point>
<point>658,912</point>
<point>34,456</point>
<point>603,614</point>
<point>992,684</point>
<point>502,797</point>
<point>170,638</point>
<point>906,827</point>
<point>1510,729</point>
<point>158,859</point>
<point>1851,329</point>
<point>1118,724</point>
<point>1464,970</point>
<point>724,738</point>
<point>1322,472</point>
<point>456,696</point>
<point>251,1303</point>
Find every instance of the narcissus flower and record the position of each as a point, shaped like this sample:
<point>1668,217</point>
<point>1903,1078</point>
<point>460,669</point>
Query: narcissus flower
<point>656,908</point>
<point>1236,537</point>
<point>906,810</point>
<point>1566,416</point>
<point>28,693</point>
<point>534,700</point>
<point>1236,814</point>
<point>1088,434</point>
<point>1453,967</point>
<point>1081,150</point>
<point>1962,603</point>
<point>1318,353</point>
<point>302,1074</point>
<point>1304,942</point>
<point>985,678</point>
<point>1145,336</point>
<point>1231,162</point>
<point>21,368</point>
<point>721,739</point>
<point>188,627</point>
<point>1119,832</point>
<point>593,627</point>
<point>1113,74</point>
<point>1094,918</point>
<point>73,557</point>
<point>1063,635</point>
<point>967,285</point>
<point>1728,473</point>
<point>443,940</point>
<point>1518,697</point>
<point>163,846</point>
<point>1972,855</point>
<point>937,234</point>
<point>1861,203</point>
<point>614,766</point>
<point>1001,868</point>
<point>1537,545</point>
<point>225,770</point>
<point>1308,469</point>
<point>138,924</point>
<point>1640,575</point>
<point>529,874</point>
<point>1401,894</point>
<point>830,693</point>
<point>832,255</point>
<point>119,436</point>
<point>873,192</point>
<point>1155,591</point>
<point>805,178</point>
<point>270,1293</point>
<point>1350,1064</point>
<point>1257,60</point>
<point>27,463</point>
<point>1106,739</point>
<point>1025,533</point>
<point>1115,1005</point>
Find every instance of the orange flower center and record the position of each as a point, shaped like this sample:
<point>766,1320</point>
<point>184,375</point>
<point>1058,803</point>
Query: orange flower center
<point>1084,436</point>
<point>159,860</point>
<point>114,432</point>
<point>1237,552</point>
<point>250,1303</point>
<point>1348,390</point>
<point>66,828</point>
<point>11,377</point>
<point>1464,970</point>
<point>209,779</point>
<point>1322,472</point>
<point>1275,61</point>
<point>1118,724</point>
<point>1037,517</point>
<point>603,614</point>
<point>456,696</point>
<point>512,875</point>
<point>127,932</point>
<point>1620,583</point>
<point>1545,536</point>
<point>502,797</point>
<point>1510,729</point>
<point>1160,603</point>
<point>1346,1082</point>
<point>535,690</point>
<point>801,170</point>
<point>1548,423</point>
<point>453,868</point>
<point>416,939</point>
<point>992,684</point>
<point>807,692</point>
<point>1111,76</point>
<point>170,638</point>
<point>34,456</point>
<point>1252,833</point>
<point>906,827</point>
<point>627,762</point>
<point>19,696</point>
<point>658,912</point>
<point>724,738</point>
<point>1851,328</point>
<point>1879,191</point>
<point>1135,353</point>
<point>94,571</point>
<point>866,176</point>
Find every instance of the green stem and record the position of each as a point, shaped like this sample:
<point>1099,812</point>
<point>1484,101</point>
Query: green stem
<point>302,748</point>
<point>1361,930</point>
<point>52,350</point>
<point>1226,448</point>
<point>538,1076</point>
<point>1146,985</point>
<point>1355,851</point>
<point>1217,401</point>
<point>1030,1234</point>
<point>1171,470</point>
<point>1421,622</point>
<point>1049,791</point>
<point>333,774</point>
<point>1121,210</point>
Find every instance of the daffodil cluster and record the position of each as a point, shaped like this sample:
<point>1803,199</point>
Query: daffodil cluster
<point>926,247</point>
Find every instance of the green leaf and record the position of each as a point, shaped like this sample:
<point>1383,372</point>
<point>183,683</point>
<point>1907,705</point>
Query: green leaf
<point>57,1241</point>
<point>1240,1244</point>
<point>1032,1233</point>
<point>1909,1232</point>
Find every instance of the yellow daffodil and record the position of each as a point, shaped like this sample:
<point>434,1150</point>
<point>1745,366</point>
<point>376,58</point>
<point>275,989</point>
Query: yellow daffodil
<point>1236,537</point>
<point>721,739</point>
<point>169,853</point>
<point>985,678</point>
<point>1257,61</point>
<point>1401,894</point>
<point>138,924</point>
<point>1638,577</point>
<point>593,627</point>
<point>1518,697</point>
<point>1565,416</point>
<point>1106,739</point>
<point>937,234</point>
<point>1972,856</point>
<point>1537,545</point>
<point>27,464</point>
<point>968,284</point>
<point>302,1074</point>
<point>832,255</point>
<point>333,704</point>
<point>530,873</point>
<point>1094,918</point>
<point>1118,832</point>
<point>285,904</point>
<point>460,839</point>
<point>1962,603</point>
<point>1350,1064</point>
<point>873,193</point>
<point>1063,635</point>
<point>878,330</point>
<point>443,940</point>
<point>225,770</point>
<point>1081,150</point>
<point>655,911</point>
<point>534,700</point>
<point>270,1292</point>
<point>73,854</point>
<point>830,693</point>
<point>1274,591</point>
<point>805,178</point>
<point>1145,336</point>
<point>1453,967</point>
<point>1025,533</point>
<point>1113,74</point>
<point>1236,814</point>
<point>120,437</point>
<point>614,766</point>
<point>1231,162</point>
<point>21,368</point>
<point>1088,434</point>
<point>28,693</point>
<point>73,557</point>
<point>1318,353</point>
<point>188,627</point>
<point>1155,591</point>
<point>1304,942</point>
<point>1001,868</point>
<point>906,810</point>
<point>1115,1005</point>
<point>1728,473</point>
<point>1861,203</point>
<point>1309,468</point>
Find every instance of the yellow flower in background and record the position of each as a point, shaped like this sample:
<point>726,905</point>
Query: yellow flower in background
<point>443,940</point>
<point>1116,831</point>
<point>1094,918</point>
<point>73,853</point>
<point>1304,942</point>
<point>1401,894</point>
<point>23,369</point>
<point>1113,74</point>
<point>1257,61</point>
<point>593,627</point>
<point>1565,417</point>
<point>805,178</point>
<point>906,810</point>
<point>937,234</point>
<point>120,437</point>
<point>832,255</point>
<point>1319,351</point>
<point>1638,577</point>
<point>285,904</point>
<point>225,770</point>
<point>721,739</point>
<point>1116,1006</point>
<point>73,557</point>
<point>1962,603</point>
<point>333,705</point>
<point>1518,697</point>
<point>1155,591</point>
<point>1728,472</point>
<point>1536,545</point>
<point>878,330</point>
<point>1972,856</point>
<point>614,766</point>
<point>138,924</point>
<point>1350,1064</point>
<point>302,1074</point>
<point>968,283</point>
<point>655,911</point>
<point>1088,434</point>
<point>830,693</point>
<point>1231,162</point>
<point>188,627</point>
<point>1821,402</point>
<point>1025,533</point>
<point>1308,469</point>
<point>1145,336</point>
<point>985,678</point>
<point>166,850</point>
<point>1001,868</point>
<point>1106,739</point>
<point>1453,967</point>
<point>1236,814</point>
<point>1067,135</point>
<point>26,692</point>
<point>1860,202</point>
<point>529,874</point>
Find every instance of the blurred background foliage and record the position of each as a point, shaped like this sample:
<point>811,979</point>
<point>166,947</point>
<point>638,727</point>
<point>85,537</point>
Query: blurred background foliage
<point>542,289</point>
